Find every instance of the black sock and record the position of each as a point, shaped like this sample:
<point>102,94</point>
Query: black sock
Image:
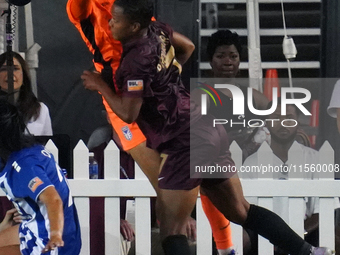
<point>272,227</point>
<point>176,245</point>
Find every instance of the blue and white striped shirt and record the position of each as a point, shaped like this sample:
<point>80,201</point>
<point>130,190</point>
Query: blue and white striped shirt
<point>26,175</point>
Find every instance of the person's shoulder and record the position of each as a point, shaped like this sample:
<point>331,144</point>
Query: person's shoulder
<point>34,151</point>
<point>142,57</point>
<point>147,45</point>
<point>28,156</point>
<point>160,27</point>
<point>76,14</point>
<point>72,12</point>
<point>44,109</point>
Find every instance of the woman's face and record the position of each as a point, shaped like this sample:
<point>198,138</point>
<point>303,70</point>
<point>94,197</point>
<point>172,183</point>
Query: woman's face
<point>17,76</point>
<point>225,61</point>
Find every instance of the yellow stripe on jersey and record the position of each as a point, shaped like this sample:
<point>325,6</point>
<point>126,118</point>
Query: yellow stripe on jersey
<point>179,66</point>
<point>167,58</point>
<point>170,58</point>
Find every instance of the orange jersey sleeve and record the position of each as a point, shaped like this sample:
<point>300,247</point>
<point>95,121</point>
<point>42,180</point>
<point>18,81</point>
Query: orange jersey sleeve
<point>92,23</point>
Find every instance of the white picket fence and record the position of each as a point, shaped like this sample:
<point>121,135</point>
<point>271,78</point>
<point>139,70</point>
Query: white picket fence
<point>112,188</point>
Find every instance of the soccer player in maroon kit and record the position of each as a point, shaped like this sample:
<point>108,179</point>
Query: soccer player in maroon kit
<point>152,94</point>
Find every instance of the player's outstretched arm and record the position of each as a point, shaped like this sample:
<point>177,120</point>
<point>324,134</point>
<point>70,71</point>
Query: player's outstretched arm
<point>54,205</point>
<point>79,9</point>
<point>184,47</point>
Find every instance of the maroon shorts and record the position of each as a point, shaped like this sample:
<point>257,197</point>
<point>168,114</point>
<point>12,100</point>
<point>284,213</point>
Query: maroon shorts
<point>201,145</point>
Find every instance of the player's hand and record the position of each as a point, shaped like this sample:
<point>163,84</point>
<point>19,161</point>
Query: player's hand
<point>54,242</point>
<point>12,217</point>
<point>92,80</point>
<point>126,230</point>
<point>191,229</point>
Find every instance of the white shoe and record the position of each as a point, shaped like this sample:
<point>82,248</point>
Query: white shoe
<point>229,251</point>
<point>322,251</point>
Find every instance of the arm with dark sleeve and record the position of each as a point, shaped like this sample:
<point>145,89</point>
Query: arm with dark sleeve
<point>78,10</point>
<point>184,47</point>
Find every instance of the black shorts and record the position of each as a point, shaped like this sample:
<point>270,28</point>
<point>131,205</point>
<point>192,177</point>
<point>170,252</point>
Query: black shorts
<point>202,145</point>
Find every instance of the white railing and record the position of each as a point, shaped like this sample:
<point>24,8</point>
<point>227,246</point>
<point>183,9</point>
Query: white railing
<point>112,188</point>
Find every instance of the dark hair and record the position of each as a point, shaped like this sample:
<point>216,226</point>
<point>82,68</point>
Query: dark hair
<point>12,126</point>
<point>223,37</point>
<point>27,103</point>
<point>140,11</point>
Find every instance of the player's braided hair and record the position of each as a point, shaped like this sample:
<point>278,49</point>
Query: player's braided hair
<point>140,11</point>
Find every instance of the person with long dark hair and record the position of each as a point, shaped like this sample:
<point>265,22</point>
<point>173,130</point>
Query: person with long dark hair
<point>35,113</point>
<point>36,185</point>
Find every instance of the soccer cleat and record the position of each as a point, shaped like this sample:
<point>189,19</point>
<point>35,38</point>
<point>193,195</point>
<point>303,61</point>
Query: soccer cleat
<point>229,251</point>
<point>322,251</point>
<point>232,252</point>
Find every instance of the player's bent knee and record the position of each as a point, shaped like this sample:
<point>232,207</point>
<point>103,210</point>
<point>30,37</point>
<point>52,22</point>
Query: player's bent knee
<point>241,214</point>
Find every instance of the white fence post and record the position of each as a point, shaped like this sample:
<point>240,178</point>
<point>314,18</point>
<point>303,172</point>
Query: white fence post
<point>204,234</point>
<point>237,231</point>
<point>81,172</point>
<point>296,206</point>
<point>326,213</point>
<point>265,159</point>
<point>142,219</point>
<point>53,149</point>
<point>112,204</point>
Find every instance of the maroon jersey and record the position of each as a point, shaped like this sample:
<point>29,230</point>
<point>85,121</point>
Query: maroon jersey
<point>150,70</point>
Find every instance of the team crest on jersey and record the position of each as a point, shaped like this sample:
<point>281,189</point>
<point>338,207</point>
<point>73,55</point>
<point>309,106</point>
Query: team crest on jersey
<point>35,183</point>
<point>135,85</point>
<point>127,133</point>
